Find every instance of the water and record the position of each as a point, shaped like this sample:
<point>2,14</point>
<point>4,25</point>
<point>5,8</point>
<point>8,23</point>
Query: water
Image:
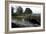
<point>22,22</point>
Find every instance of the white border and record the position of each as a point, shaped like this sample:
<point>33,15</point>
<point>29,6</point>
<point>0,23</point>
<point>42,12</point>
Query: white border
<point>27,28</point>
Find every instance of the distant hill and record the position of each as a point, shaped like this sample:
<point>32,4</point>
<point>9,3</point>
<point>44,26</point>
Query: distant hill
<point>35,14</point>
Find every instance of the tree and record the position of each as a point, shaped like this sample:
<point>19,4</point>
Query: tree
<point>19,10</point>
<point>12,9</point>
<point>28,11</point>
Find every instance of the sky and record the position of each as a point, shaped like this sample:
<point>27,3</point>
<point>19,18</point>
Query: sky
<point>36,9</point>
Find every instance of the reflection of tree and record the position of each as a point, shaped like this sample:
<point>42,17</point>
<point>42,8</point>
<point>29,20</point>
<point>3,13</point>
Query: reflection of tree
<point>28,11</point>
<point>19,10</point>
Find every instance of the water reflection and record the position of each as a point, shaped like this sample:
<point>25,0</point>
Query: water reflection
<point>22,23</point>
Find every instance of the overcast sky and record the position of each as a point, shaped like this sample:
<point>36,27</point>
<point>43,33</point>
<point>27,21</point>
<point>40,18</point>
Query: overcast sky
<point>36,9</point>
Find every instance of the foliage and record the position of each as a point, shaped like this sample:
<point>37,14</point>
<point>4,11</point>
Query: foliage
<point>28,11</point>
<point>19,10</point>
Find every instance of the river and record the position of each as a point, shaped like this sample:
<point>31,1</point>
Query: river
<point>23,22</point>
